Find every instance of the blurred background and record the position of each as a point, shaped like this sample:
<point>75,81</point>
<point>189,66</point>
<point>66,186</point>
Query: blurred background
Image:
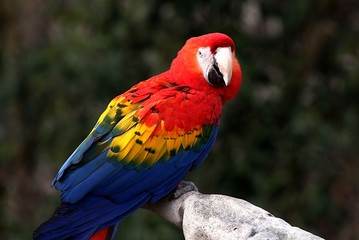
<point>288,142</point>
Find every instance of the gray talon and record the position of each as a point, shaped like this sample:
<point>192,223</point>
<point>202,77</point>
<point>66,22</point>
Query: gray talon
<point>183,188</point>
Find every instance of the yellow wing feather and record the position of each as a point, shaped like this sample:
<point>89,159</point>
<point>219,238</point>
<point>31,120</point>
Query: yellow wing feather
<point>135,143</point>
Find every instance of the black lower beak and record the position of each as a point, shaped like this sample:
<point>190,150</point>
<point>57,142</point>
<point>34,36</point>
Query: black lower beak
<point>215,77</point>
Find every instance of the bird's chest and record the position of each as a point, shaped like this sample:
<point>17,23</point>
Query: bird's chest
<point>184,109</point>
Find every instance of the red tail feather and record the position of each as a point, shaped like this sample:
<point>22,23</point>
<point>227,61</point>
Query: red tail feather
<point>103,234</point>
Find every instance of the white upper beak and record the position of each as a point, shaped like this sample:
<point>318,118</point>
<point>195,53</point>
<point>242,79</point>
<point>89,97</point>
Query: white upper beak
<point>223,57</point>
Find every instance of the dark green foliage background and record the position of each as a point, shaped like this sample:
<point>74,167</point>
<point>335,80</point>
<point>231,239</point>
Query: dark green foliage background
<point>288,142</point>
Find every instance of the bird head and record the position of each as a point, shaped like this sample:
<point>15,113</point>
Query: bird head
<point>208,63</point>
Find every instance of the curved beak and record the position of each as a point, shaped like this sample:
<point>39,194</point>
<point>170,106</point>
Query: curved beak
<point>223,59</point>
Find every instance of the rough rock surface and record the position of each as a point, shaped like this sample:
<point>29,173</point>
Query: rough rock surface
<point>212,217</point>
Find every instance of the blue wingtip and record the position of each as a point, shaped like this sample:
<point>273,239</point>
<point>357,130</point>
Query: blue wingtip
<point>75,157</point>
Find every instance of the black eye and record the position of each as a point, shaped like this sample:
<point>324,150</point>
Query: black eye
<point>199,52</point>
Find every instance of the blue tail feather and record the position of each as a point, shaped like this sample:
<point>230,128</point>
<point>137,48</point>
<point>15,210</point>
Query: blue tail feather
<point>75,221</point>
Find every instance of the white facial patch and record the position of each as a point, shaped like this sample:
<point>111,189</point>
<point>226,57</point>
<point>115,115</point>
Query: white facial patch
<point>205,60</point>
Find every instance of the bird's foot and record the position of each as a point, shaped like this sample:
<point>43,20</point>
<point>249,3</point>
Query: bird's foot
<point>182,188</point>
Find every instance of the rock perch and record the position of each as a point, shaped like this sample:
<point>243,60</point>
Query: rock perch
<point>212,217</point>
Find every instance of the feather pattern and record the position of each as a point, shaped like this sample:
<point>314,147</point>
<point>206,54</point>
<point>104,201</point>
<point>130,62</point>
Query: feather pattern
<point>141,147</point>
<point>125,150</point>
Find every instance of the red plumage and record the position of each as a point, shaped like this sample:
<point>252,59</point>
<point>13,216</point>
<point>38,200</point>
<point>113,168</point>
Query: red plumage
<point>104,234</point>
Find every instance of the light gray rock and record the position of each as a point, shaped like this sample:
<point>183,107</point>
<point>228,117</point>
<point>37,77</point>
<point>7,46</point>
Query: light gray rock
<point>212,217</point>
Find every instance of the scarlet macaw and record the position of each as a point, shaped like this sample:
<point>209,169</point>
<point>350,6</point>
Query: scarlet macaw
<point>145,141</point>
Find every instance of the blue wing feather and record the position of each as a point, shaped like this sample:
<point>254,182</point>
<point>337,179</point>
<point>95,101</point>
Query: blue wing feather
<point>103,127</point>
<point>76,156</point>
<point>101,193</point>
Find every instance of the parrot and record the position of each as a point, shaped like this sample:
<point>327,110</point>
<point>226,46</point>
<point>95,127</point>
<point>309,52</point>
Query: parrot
<point>145,142</point>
